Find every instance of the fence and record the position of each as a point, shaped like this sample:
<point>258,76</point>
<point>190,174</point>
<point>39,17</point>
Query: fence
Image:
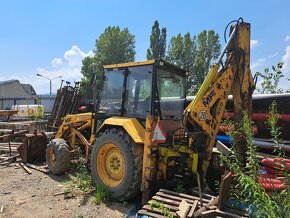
<point>46,100</point>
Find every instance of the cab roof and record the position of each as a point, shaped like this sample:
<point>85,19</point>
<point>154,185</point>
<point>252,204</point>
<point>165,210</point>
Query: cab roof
<point>159,63</point>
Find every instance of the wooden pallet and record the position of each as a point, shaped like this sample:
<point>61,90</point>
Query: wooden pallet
<point>183,205</point>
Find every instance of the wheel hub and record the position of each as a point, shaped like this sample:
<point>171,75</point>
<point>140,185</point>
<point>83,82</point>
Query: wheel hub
<point>51,155</point>
<point>111,165</point>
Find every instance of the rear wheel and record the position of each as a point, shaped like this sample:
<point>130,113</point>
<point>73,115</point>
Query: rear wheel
<point>58,156</point>
<point>116,163</point>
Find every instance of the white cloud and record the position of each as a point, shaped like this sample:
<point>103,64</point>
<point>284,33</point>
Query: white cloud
<point>287,38</point>
<point>286,61</point>
<point>74,56</point>
<point>254,43</point>
<point>257,64</point>
<point>273,55</point>
<point>56,62</point>
<point>68,68</point>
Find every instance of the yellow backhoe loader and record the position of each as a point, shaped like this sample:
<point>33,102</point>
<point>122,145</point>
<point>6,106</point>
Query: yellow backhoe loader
<point>142,135</point>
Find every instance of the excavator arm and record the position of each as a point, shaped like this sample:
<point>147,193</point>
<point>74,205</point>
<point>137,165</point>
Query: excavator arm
<point>204,114</point>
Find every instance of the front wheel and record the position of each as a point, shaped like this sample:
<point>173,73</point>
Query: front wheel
<point>58,156</point>
<point>116,163</point>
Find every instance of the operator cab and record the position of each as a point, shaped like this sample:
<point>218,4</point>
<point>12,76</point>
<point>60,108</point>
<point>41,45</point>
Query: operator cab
<point>138,89</point>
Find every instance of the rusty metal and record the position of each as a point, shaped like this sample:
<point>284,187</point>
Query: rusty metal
<point>33,148</point>
<point>66,102</point>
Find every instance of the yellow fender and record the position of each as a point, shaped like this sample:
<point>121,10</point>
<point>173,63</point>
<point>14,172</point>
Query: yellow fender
<point>131,125</point>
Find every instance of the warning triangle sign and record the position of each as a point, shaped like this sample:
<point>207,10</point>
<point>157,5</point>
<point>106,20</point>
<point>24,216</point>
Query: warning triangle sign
<point>158,134</point>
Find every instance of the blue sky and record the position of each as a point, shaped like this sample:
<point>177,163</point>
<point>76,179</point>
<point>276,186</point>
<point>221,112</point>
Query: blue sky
<point>51,37</point>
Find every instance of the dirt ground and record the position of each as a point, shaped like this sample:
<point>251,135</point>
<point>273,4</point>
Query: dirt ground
<point>33,195</point>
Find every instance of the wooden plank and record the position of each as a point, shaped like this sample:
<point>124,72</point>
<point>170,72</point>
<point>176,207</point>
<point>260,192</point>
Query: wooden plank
<point>13,144</point>
<point>157,210</point>
<point>25,168</point>
<point>208,214</point>
<point>9,158</point>
<point>6,130</point>
<point>171,202</point>
<point>224,190</point>
<point>235,211</point>
<point>193,209</point>
<point>213,202</point>
<point>173,197</point>
<point>8,136</point>
<point>172,208</point>
<point>38,168</point>
<point>226,214</point>
<point>144,212</point>
<point>184,208</point>
<point>184,196</point>
<point>204,195</point>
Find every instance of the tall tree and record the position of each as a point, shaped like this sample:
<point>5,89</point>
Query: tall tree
<point>182,52</point>
<point>157,47</point>
<point>194,54</point>
<point>208,50</point>
<point>113,46</point>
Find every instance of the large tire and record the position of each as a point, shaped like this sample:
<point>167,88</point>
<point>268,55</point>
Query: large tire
<point>116,163</point>
<point>58,156</point>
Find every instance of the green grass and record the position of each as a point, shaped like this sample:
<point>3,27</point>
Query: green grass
<point>102,194</point>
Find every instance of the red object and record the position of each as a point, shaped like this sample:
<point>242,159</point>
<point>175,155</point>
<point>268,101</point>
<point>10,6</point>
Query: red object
<point>273,171</point>
<point>82,108</point>
<point>277,163</point>
<point>260,116</point>
<point>271,186</point>
<point>273,181</point>
<point>282,160</point>
<point>226,128</point>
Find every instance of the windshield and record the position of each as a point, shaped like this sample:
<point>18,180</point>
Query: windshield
<point>138,93</point>
<point>171,91</point>
<point>111,96</point>
<point>134,100</point>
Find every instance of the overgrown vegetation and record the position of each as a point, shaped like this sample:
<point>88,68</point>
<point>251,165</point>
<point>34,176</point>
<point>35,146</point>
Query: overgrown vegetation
<point>248,189</point>
<point>165,211</point>
<point>81,179</point>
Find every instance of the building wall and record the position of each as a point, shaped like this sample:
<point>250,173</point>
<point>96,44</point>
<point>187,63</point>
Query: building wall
<point>46,100</point>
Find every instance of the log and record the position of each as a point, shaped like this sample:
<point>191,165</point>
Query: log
<point>25,168</point>
<point>38,168</point>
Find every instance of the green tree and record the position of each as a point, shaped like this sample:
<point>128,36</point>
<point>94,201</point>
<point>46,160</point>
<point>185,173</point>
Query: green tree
<point>271,80</point>
<point>113,46</point>
<point>208,50</point>
<point>157,42</point>
<point>194,54</point>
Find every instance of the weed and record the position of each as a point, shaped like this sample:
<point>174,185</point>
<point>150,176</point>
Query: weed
<point>275,131</point>
<point>179,188</point>
<point>102,194</point>
<point>81,179</point>
<point>248,189</point>
<point>165,211</point>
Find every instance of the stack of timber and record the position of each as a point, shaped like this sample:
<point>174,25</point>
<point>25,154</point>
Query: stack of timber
<point>8,148</point>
